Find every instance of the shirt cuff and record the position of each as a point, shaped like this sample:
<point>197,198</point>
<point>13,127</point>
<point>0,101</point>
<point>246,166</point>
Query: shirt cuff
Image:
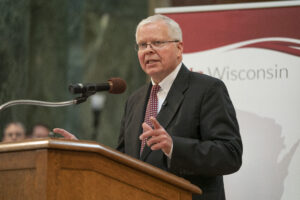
<point>170,153</point>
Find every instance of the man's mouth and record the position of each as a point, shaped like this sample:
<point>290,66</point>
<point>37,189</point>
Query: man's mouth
<point>151,61</point>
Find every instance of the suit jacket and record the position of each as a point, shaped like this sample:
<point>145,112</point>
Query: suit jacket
<point>199,116</point>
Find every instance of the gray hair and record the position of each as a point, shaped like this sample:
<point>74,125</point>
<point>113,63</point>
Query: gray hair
<point>174,29</point>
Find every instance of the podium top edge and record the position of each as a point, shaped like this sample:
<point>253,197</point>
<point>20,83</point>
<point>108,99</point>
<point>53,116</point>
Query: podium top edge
<point>90,146</point>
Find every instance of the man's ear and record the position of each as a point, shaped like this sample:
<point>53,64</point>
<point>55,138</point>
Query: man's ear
<point>180,48</point>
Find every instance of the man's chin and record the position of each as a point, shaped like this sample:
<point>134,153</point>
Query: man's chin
<point>153,73</point>
<point>157,77</point>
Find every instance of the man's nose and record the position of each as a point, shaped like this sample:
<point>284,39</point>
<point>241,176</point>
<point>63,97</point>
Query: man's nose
<point>14,136</point>
<point>149,48</point>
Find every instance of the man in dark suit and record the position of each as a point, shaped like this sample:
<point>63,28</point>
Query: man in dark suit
<point>195,134</point>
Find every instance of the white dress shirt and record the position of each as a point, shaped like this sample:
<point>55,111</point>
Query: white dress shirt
<point>165,86</point>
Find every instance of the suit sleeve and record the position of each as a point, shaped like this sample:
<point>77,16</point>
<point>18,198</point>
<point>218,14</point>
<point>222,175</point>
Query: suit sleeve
<point>218,148</point>
<point>121,141</point>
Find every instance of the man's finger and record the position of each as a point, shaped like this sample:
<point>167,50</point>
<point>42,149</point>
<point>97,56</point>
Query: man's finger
<point>64,133</point>
<point>149,133</point>
<point>155,123</point>
<point>156,139</point>
<point>146,127</point>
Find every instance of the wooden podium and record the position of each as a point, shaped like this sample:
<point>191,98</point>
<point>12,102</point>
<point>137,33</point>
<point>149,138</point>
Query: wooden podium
<point>58,169</point>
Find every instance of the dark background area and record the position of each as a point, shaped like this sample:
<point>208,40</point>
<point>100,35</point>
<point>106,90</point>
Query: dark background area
<point>47,45</point>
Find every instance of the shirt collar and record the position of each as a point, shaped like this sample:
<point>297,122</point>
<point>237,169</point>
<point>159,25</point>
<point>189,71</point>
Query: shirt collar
<point>167,82</point>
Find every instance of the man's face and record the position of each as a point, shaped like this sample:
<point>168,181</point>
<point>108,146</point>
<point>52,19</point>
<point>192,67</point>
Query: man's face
<point>40,132</point>
<point>14,133</point>
<point>158,62</point>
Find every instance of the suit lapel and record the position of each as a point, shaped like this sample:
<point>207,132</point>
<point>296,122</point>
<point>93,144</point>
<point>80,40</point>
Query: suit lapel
<point>171,103</point>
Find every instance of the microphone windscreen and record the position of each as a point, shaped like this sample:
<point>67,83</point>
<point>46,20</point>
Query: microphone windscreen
<point>117,85</point>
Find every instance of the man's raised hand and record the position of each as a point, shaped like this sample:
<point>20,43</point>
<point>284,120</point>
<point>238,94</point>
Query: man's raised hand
<point>158,138</point>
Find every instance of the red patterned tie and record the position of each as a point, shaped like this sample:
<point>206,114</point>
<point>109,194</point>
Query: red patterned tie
<point>151,111</point>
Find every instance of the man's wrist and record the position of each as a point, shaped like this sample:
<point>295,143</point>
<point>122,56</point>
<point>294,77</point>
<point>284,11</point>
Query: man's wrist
<point>169,155</point>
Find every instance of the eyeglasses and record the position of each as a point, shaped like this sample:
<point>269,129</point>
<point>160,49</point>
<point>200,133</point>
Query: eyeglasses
<point>153,45</point>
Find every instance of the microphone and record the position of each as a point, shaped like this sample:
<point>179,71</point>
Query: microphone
<point>113,85</point>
